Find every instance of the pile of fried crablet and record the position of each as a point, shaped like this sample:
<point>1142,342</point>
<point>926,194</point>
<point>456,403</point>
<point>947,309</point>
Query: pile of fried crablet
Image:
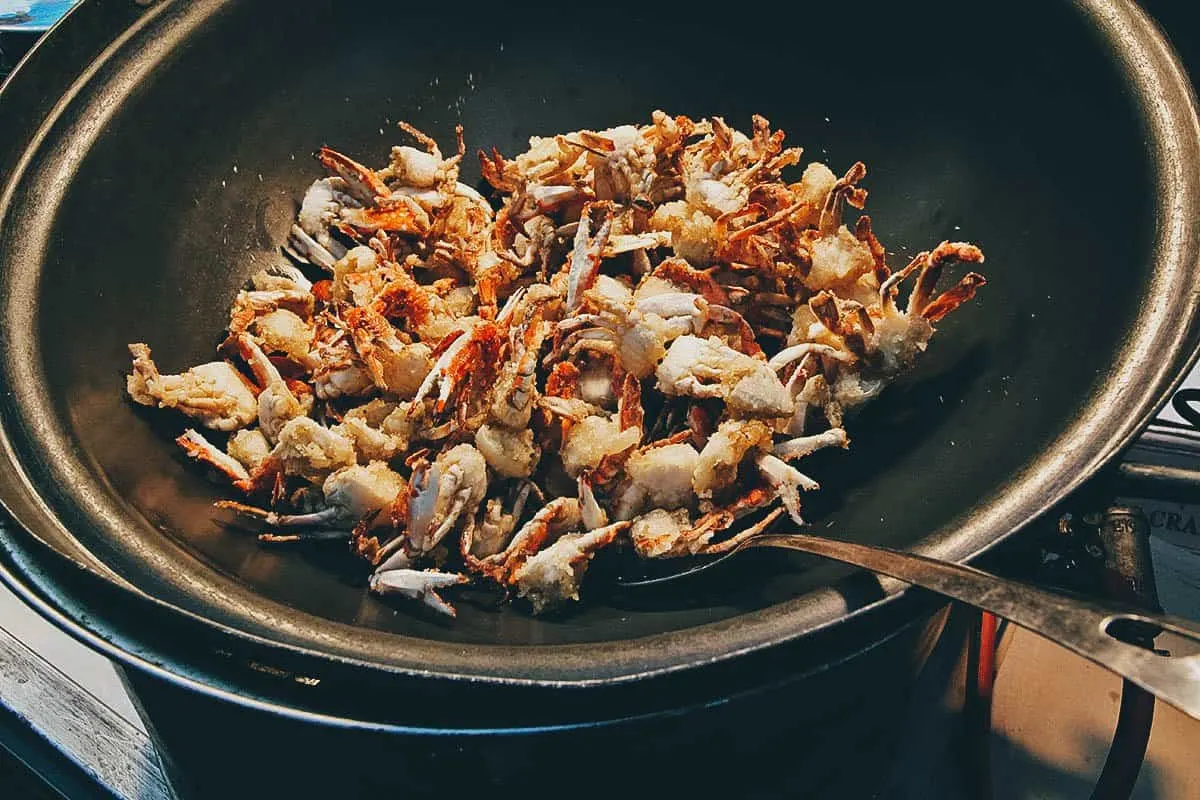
<point>630,344</point>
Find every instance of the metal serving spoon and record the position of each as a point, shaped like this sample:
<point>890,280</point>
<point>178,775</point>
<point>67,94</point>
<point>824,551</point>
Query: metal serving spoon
<point>1087,628</point>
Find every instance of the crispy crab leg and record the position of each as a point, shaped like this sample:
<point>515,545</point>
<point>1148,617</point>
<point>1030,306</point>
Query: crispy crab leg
<point>765,225</point>
<point>584,262</point>
<point>725,545</point>
<point>721,519</point>
<point>953,297</point>
<point>696,540</point>
<point>628,242</point>
<point>456,509</point>
<point>799,352</point>
<point>553,575</point>
<point>204,451</point>
<point>396,559</point>
<point>493,168</point>
<point>497,526</point>
<point>843,192</point>
<point>931,270</point>
<point>864,233</point>
<point>789,355</point>
<point>327,517</point>
<point>440,369</point>
<point>802,446</point>
<point>681,273</point>
<point>747,340</point>
<point>303,247</point>
<point>308,536</point>
<point>889,288</point>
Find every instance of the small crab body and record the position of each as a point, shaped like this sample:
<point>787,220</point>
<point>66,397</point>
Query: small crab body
<point>708,368</point>
<point>395,367</point>
<point>470,359</point>
<point>552,576</point>
<point>215,394</point>
<point>498,525</point>
<point>352,495</point>
<point>637,331</point>
<point>559,515</point>
<point>658,476</point>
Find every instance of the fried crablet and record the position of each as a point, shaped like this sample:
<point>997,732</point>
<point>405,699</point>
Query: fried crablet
<point>632,343</point>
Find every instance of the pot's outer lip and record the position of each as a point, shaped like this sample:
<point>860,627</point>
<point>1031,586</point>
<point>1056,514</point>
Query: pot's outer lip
<point>1163,333</point>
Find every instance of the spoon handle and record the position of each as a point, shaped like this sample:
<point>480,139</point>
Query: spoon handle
<point>1086,628</point>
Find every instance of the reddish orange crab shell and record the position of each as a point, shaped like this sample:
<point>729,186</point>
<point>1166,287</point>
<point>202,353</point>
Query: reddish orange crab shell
<point>402,218</point>
<point>681,273</point>
<point>353,172</point>
<point>404,299</point>
<point>496,171</point>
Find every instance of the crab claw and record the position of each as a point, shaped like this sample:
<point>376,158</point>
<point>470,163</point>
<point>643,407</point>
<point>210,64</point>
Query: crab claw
<point>394,215</point>
<point>931,270</point>
<point>505,317</point>
<point>440,372</point>
<point>418,585</point>
<point>422,498</point>
<point>199,448</point>
<point>448,486</point>
<point>585,258</point>
<point>787,482</point>
<point>953,297</point>
<point>471,357</point>
<point>397,559</point>
<point>361,182</point>
<point>443,493</point>
<point>593,515</point>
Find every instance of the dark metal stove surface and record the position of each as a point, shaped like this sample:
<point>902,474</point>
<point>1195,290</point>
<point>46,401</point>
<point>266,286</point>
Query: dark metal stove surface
<point>57,738</point>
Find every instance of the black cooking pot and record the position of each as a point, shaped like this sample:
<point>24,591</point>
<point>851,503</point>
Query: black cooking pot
<point>149,173</point>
